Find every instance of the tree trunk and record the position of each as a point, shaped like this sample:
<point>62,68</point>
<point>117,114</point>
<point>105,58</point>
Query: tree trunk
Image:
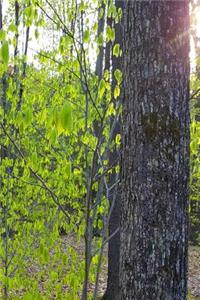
<point>112,290</point>
<point>155,155</point>
<point>100,57</point>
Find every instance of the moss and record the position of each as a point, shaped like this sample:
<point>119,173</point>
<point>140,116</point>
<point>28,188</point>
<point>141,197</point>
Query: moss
<point>160,125</point>
<point>150,123</point>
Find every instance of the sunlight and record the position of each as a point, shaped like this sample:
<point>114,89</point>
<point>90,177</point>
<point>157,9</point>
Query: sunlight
<point>195,23</point>
<point>197,14</point>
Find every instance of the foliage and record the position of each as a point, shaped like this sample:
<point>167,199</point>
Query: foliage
<point>56,132</point>
<point>195,163</point>
<point>55,140</point>
<point>190,297</point>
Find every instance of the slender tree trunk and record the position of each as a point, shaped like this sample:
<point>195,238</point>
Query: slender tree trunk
<point>101,24</point>
<point>108,47</point>
<point>155,155</point>
<point>112,290</point>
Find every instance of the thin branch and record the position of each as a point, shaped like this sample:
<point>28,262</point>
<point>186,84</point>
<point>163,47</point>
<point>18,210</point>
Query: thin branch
<point>40,179</point>
<point>195,94</point>
<point>1,15</point>
<point>56,61</point>
<point>66,30</point>
<point>17,25</point>
<point>106,241</point>
<point>27,182</point>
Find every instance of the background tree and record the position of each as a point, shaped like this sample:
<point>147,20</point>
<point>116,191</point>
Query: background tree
<point>155,156</point>
<point>112,290</point>
<point>55,178</point>
<point>195,127</point>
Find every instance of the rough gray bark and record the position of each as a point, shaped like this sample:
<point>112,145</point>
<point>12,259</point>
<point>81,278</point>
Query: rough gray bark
<point>155,155</point>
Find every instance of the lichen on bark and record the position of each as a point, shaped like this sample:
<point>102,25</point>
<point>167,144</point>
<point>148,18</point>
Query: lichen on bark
<point>160,124</point>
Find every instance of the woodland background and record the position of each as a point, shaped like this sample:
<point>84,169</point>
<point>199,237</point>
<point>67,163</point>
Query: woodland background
<point>60,105</point>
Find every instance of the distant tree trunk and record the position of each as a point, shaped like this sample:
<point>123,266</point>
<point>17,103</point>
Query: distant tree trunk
<point>155,155</point>
<point>112,290</point>
<point>108,48</point>
<point>101,24</point>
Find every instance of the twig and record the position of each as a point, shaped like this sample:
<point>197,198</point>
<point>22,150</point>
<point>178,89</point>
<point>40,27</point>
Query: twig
<point>40,179</point>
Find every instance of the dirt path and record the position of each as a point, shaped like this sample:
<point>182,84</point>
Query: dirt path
<point>193,276</point>
<point>194,271</point>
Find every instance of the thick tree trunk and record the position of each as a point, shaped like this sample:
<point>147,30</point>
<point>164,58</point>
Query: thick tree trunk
<point>155,156</point>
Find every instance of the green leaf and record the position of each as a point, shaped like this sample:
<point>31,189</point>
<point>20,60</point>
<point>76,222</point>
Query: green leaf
<point>111,110</point>
<point>112,10</point>
<point>193,146</point>
<point>66,116</point>
<point>12,27</point>
<point>29,296</point>
<point>82,6</point>
<point>34,159</point>
<point>46,254</point>
<point>95,258</point>
<point>36,33</point>
<point>116,91</point>
<point>2,35</point>
<point>110,34</point>
<point>86,36</point>
<point>101,13</point>
<point>102,87</point>
<point>116,50</point>
<point>55,117</point>
<point>43,115</point>
<point>68,169</point>
<point>53,275</point>
<point>59,128</point>
<point>118,76</point>
<point>5,52</point>
<point>53,136</point>
<point>118,139</point>
<point>28,116</point>
<point>106,75</point>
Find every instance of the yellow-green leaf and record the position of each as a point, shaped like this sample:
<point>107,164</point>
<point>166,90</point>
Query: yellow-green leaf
<point>5,52</point>
<point>102,88</point>
<point>116,50</point>
<point>34,158</point>
<point>110,34</point>
<point>118,139</point>
<point>116,91</point>
<point>66,116</point>
<point>86,36</point>
<point>118,76</point>
<point>53,136</point>
<point>2,35</point>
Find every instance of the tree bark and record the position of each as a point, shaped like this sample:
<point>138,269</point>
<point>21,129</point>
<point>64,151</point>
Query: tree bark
<point>112,290</point>
<point>155,155</point>
<point>100,57</point>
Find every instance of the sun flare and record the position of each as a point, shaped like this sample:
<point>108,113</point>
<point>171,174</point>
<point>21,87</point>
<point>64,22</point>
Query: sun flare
<point>195,36</point>
<point>197,17</point>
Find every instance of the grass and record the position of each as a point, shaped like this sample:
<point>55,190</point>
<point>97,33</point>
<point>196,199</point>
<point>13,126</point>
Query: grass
<point>191,297</point>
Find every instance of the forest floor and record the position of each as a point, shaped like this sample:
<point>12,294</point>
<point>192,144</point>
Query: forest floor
<point>193,278</point>
<point>194,273</point>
